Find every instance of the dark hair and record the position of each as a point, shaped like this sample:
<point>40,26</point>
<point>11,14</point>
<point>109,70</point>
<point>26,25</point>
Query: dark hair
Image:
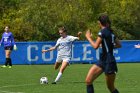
<point>63,29</point>
<point>105,21</point>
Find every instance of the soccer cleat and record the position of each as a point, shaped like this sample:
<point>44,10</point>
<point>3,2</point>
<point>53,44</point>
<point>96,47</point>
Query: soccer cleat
<point>10,67</point>
<point>53,82</point>
<point>3,66</point>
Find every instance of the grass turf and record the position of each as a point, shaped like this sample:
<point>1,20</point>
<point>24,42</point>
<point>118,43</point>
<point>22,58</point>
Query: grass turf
<point>25,79</point>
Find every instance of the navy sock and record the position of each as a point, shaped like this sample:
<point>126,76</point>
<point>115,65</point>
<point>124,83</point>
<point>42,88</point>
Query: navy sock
<point>7,61</point>
<point>10,62</point>
<point>90,89</point>
<point>115,91</point>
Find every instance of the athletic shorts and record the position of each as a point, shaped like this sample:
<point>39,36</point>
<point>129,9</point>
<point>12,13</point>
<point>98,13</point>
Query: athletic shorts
<point>8,48</point>
<point>61,59</point>
<point>108,64</point>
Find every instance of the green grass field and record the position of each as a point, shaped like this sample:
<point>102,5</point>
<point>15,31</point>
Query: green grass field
<point>25,79</point>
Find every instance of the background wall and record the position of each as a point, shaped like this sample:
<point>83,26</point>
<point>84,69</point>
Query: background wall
<point>30,53</point>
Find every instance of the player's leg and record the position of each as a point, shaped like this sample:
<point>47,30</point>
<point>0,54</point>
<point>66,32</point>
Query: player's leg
<point>8,59</point>
<point>65,63</point>
<point>93,73</point>
<point>110,74</point>
<point>110,79</point>
<point>62,68</point>
<point>57,64</point>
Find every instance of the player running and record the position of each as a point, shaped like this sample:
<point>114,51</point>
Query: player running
<point>9,44</point>
<point>107,63</point>
<point>64,44</point>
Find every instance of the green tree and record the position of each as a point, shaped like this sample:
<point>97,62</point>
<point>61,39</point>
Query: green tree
<point>38,20</point>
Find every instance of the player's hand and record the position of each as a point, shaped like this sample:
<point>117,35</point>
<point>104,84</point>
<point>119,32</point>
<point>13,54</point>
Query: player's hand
<point>15,47</point>
<point>137,46</point>
<point>79,33</point>
<point>88,34</point>
<point>43,51</point>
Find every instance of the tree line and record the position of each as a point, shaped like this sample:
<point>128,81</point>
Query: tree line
<point>38,20</point>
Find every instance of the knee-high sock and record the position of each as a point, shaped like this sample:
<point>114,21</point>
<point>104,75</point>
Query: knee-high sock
<point>58,76</point>
<point>90,89</point>
<point>6,61</point>
<point>115,91</point>
<point>10,62</point>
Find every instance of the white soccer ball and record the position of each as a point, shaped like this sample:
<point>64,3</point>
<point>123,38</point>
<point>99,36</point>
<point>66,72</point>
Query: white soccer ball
<point>43,80</point>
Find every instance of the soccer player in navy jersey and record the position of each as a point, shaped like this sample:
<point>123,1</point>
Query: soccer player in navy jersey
<point>107,62</point>
<point>64,47</point>
<point>9,44</point>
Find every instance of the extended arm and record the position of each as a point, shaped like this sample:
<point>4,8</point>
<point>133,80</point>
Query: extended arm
<point>50,49</point>
<point>1,41</point>
<point>12,38</point>
<point>93,43</point>
<point>13,42</point>
<point>117,43</point>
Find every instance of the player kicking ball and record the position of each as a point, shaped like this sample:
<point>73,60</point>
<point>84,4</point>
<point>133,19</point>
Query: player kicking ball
<point>64,46</point>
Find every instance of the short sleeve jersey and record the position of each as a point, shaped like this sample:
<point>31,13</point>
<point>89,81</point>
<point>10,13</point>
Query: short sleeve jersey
<point>64,45</point>
<point>108,39</point>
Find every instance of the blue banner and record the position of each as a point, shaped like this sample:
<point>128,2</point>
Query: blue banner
<point>82,52</point>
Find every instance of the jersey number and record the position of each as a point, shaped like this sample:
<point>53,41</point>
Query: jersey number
<point>5,39</point>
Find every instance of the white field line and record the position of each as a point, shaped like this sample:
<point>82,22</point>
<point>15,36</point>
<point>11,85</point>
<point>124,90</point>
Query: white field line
<point>10,86</point>
<point>9,92</point>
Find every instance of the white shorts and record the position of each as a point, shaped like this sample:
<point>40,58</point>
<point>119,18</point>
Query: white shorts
<point>61,59</point>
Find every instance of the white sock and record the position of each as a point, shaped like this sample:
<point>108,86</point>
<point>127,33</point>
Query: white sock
<point>58,76</point>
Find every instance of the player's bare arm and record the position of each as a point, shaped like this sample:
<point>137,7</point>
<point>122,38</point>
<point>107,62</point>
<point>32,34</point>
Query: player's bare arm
<point>117,43</point>
<point>89,38</point>
<point>50,49</point>
<point>79,34</point>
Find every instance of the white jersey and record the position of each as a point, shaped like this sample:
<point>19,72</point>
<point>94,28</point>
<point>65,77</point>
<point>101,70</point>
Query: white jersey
<point>64,45</point>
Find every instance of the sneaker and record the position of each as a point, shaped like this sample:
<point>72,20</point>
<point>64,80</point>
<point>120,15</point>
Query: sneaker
<point>53,82</point>
<point>3,66</point>
<point>10,67</point>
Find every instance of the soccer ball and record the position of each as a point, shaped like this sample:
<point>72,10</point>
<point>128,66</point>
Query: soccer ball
<point>43,80</point>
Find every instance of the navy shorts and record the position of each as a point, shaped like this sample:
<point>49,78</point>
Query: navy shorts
<point>108,64</point>
<point>8,48</point>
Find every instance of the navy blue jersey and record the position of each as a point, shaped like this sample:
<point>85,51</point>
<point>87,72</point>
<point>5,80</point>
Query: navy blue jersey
<point>108,39</point>
<point>107,61</point>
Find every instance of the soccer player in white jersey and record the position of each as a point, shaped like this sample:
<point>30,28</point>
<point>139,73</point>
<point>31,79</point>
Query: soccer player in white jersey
<point>64,44</point>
